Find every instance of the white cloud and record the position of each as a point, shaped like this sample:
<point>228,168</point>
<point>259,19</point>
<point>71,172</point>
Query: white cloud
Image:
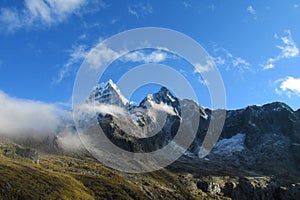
<point>22,119</point>
<point>153,57</point>
<point>10,19</point>
<point>296,5</point>
<point>268,66</point>
<point>161,107</point>
<point>238,61</point>
<point>201,68</point>
<point>140,9</point>
<point>203,81</point>
<point>77,54</point>
<point>251,10</point>
<point>290,86</point>
<point>219,60</point>
<point>133,12</point>
<point>42,12</point>
<point>288,49</point>
<point>100,56</point>
<point>92,108</point>
<point>18,116</point>
<point>70,141</point>
<point>231,62</point>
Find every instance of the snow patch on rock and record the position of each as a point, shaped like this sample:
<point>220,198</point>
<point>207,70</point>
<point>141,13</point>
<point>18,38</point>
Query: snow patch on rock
<point>227,146</point>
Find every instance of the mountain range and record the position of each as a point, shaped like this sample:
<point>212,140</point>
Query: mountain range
<point>256,156</point>
<point>250,136</point>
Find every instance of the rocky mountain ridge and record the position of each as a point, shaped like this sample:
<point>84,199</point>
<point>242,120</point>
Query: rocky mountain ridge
<point>254,138</point>
<point>256,156</point>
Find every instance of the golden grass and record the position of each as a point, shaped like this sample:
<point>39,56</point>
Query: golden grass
<point>69,177</point>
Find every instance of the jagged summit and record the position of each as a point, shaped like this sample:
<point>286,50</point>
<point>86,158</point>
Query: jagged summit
<point>163,96</point>
<point>108,93</point>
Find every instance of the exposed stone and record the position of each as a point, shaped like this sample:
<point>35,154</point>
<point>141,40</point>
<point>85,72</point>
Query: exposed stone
<point>211,187</point>
<point>28,153</point>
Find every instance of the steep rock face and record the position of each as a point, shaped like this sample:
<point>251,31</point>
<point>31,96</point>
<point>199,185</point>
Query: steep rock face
<point>150,126</point>
<point>253,138</point>
<point>272,134</point>
<point>255,120</point>
<point>163,96</point>
<point>154,122</point>
<point>297,113</point>
<point>196,119</point>
<point>295,146</point>
<point>111,127</point>
<point>108,93</point>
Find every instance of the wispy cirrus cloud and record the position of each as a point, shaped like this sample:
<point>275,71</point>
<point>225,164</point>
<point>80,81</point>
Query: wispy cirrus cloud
<point>76,56</point>
<point>288,49</point>
<point>140,10</point>
<point>201,68</point>
<point>95,58</point>
<point>101,55</point>
<point>43,13</point>
<point>289,86</point>
<point>223,57</point>
<point>139,56</point>
<point>251,10</point>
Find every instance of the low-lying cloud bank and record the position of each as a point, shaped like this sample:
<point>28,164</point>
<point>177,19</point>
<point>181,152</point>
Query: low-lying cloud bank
<point>18,116</point>
<point>37,124</point>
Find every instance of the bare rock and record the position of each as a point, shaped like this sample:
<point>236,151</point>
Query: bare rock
<point>28,153</point>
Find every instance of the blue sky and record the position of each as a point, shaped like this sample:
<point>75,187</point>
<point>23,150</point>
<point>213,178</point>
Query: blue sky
<point>253,43</point>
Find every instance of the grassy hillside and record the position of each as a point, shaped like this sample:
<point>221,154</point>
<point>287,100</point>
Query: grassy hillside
<point>78,176</point>
<point>71,177</point>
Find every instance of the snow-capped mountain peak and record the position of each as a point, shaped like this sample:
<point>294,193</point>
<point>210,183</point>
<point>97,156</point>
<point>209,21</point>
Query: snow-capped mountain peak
<point>163,96</point>
<point>108,93</point>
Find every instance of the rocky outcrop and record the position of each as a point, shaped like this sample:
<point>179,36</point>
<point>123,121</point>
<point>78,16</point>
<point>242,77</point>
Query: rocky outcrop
<point>111,126</point>
<point>28,153</point>
<point>48,143</point>
<point>250,189</point>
